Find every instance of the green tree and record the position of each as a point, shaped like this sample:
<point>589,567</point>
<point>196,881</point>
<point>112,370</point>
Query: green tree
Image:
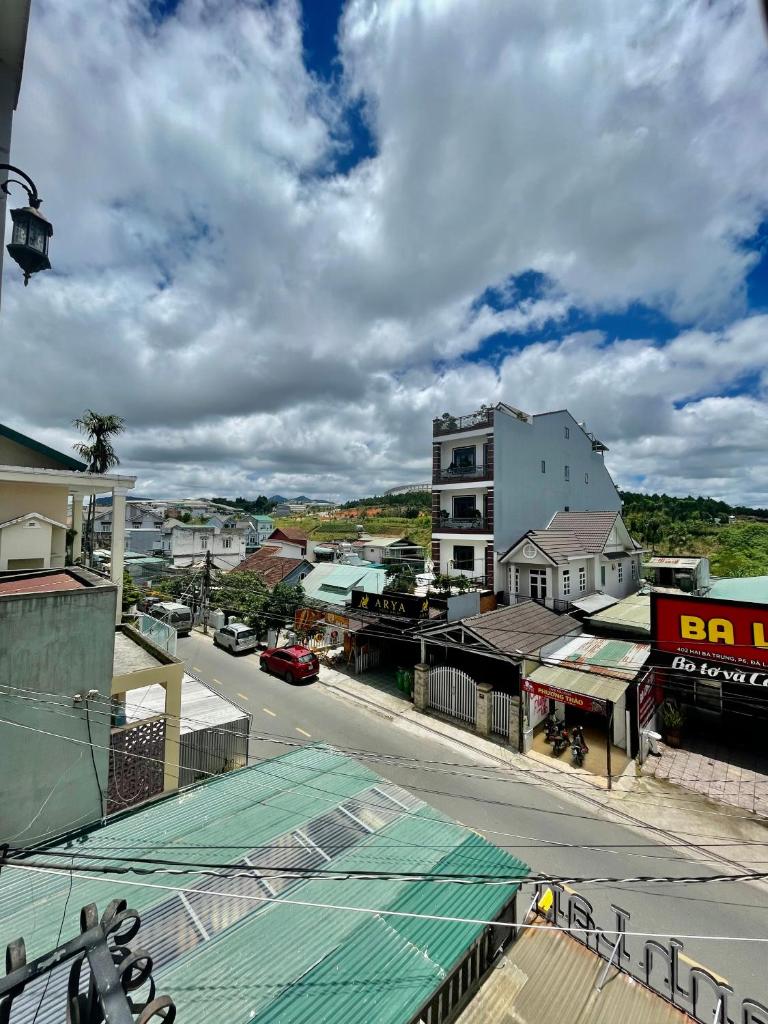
<point>131,592</point>
<point>99,455</point>
<point>244,593</point>
<point>401,579</point>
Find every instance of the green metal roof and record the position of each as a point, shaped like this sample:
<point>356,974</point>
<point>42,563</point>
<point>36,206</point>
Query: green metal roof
<point>230,959</point>
<point>66,461</point>
<point>746,588</point>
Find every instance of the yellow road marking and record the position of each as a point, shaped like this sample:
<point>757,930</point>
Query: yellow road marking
<point>244,696</point>
<point>195,668</point>
<point>303,732</point>
<point>269,712</point>
<point>695,963</point>
<point>217,681</point>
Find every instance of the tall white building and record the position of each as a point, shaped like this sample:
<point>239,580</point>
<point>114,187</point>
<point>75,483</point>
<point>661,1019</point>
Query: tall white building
<point>498,473</point>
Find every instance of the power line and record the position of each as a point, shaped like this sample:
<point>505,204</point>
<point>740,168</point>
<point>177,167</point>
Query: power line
<point>383,912</point>
<point>121,865</point>
<point>394,761</point>
<point>378,806</point>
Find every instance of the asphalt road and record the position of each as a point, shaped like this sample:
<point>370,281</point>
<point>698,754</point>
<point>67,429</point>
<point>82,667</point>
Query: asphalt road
<point>527,818</point>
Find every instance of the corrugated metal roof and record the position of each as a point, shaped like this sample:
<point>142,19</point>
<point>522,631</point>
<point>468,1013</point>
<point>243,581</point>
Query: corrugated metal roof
<point>589,684</point>
<point>521,991</point>
<point>634,612</point>
<point>270,962</point>
<point>672,562</point>
<point>594,602</point>
<point>616,657</point>
<point>201,707</point>
<point>743,588</point>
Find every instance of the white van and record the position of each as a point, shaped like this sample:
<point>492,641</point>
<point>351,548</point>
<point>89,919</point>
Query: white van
<point>177,615</point>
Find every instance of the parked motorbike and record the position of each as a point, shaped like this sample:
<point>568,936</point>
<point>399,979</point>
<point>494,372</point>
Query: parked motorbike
<point>552,727</point>
<point>562,741</point>
<point>579,748</point>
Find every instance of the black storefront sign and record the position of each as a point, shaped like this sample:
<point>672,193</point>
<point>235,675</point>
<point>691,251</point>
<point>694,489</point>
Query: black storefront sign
<point>396,605</point>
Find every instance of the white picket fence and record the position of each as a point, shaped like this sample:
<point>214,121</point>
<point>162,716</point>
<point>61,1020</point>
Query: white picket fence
<point>453,692</point>
<point>500,709</point>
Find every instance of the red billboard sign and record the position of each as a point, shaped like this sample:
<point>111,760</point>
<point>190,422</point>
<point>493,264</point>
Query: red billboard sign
<point>576,700</point>
<point>728,632</point>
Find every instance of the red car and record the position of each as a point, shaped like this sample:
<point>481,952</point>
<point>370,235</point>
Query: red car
<point>291,663</point>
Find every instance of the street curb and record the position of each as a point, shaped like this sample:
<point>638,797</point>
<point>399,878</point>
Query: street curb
<point>664,836</point>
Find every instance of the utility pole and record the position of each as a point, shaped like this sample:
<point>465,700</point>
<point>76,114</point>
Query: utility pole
<point>206,591</point>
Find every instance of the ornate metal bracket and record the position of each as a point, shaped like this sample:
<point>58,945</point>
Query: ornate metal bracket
<point>28,185</point>
<point>114,971</point>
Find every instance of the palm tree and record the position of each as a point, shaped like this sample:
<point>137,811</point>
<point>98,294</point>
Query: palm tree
<point>99,454</point>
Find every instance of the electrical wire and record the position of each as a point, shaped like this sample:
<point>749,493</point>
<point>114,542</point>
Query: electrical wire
<point>121,865</point>
<point>384,912</point>
<point>400,761</point>
<point>385,759</point>
<point>378,806</point>
<point>58,940</point>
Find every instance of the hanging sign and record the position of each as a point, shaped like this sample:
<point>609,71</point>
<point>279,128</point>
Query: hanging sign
<point>575,700</point>
<point>405,606</point>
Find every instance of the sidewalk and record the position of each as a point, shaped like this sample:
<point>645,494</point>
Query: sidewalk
<point>677,816</point>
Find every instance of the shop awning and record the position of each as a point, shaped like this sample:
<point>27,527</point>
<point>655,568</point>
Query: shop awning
<point>586,684</point>
<point>594,603</point>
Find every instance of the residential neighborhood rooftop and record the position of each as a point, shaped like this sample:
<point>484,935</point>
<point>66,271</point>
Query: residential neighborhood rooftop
<point>270,564</point>
<point>592,528</point>
<point>524,627</point>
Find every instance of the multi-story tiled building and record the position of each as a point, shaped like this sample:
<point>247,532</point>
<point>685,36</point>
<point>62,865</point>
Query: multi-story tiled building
<point>498,473</point>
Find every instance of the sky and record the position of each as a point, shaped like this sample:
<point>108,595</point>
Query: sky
<point>286,235</point>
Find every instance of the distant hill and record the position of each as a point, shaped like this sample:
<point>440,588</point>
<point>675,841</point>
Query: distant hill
<point>733,537</point>
<point>301,500</point>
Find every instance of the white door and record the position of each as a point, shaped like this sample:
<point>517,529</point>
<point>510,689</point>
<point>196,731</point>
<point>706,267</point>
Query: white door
<point>538,584</point>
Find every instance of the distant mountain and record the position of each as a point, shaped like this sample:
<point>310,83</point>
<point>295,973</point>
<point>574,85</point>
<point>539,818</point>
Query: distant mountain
<point>302,499</point>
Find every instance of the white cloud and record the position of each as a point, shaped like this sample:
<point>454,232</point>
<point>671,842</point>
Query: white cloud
<point>264,324</point>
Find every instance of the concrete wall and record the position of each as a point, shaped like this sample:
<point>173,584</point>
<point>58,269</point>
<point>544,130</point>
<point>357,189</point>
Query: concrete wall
<point>525,498</point>
<point>59,643</point>
<point>18,499</point>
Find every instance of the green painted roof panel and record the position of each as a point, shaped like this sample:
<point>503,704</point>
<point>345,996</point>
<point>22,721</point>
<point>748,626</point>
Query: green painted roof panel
<point>241,957</point>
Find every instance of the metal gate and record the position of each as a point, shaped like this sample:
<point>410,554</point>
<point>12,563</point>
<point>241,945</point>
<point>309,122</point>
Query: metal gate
<point>500,706</point>
<point>453,692</point>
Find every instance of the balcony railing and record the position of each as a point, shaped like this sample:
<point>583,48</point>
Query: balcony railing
<point>555,604</point>
<point>447,524</point>
<point>462,474</point>
<point>447,424</point>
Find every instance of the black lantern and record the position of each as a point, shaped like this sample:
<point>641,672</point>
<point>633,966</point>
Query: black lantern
<point>29,242</point>
<point>31,230</point>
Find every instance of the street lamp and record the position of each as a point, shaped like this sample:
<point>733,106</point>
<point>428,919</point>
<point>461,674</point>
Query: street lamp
<point>31,230</point>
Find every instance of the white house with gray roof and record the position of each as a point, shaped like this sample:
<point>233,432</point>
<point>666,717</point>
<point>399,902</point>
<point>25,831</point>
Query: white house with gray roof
<point>499,472</point>
<point>582,559</point>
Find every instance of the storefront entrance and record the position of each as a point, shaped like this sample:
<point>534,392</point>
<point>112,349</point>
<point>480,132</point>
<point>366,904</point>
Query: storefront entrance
<point>593,702</point>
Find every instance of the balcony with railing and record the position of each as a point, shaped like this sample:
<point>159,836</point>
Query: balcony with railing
<point>447,424</point>
<point>463,474</point>
<point>473,524</point>
<point>555,604</point>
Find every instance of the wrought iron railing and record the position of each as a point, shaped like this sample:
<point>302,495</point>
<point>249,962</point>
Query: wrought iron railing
<point>555,604</point>
<point>474,524</point>
<point>447,424</point>
<point>462,474</point>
